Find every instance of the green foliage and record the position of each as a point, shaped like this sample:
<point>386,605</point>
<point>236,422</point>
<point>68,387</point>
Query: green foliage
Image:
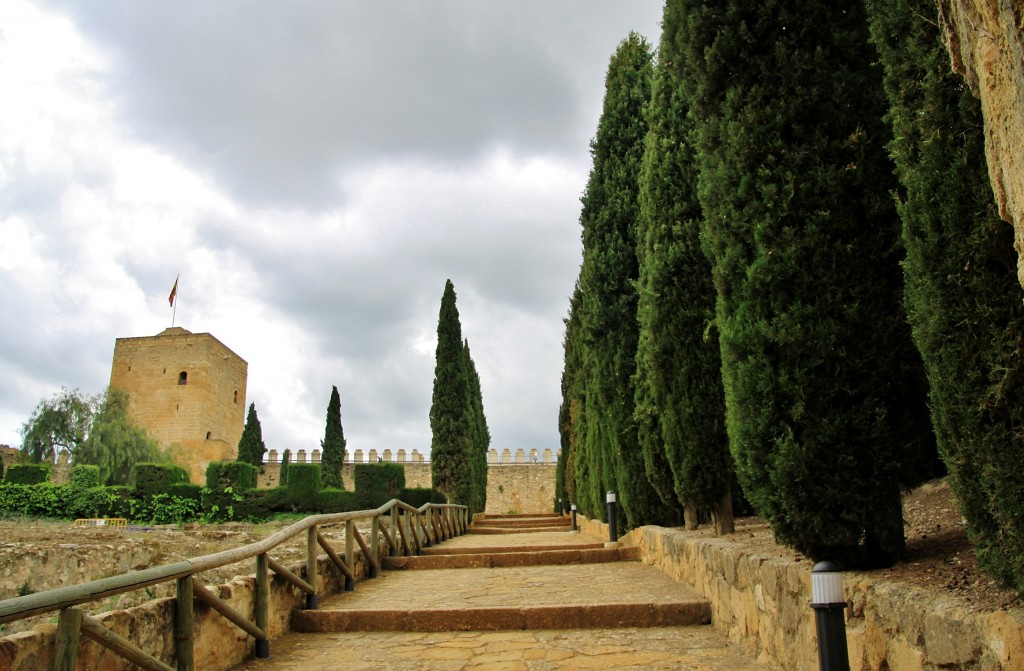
<point>480,435</point>
<point>451,419</point>
<point>251,447</point>
<point>679,400</point>
<point>577,482</point>
<point>418,496</point>
<point>238,475</point>
<point>164,509</point>
<point>332,455</point>
<point>333,500</point>
<point>304,483</point>
<point>56,501</point>
<point>283,478</point>
<point>376,484</point>
<point>823,390</point>
<point>607,438</point>
<point>115,443</point>
<point>27,474</point>
<point>85,476</point>
<point>157,478</point>
<point>57,423</point>
<point>963,297</point>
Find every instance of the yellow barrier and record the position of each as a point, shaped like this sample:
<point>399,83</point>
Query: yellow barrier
<point>116,522</point>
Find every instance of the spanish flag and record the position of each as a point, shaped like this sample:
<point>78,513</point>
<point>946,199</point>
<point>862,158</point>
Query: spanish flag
<point>174,292</point>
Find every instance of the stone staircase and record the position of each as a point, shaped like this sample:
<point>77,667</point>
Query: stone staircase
<point>518,592</point>
<point>543,577</point>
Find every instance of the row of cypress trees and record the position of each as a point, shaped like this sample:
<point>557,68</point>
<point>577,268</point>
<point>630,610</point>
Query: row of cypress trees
<point>740,317</point>
<point>460,438</point>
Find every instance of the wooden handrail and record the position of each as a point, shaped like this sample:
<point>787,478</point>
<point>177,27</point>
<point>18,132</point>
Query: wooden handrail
<point>21,607</point>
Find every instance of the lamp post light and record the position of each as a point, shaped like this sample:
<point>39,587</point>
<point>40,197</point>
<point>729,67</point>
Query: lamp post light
<point>574,517</point>
<point>612,533</point>
<point>561,510</point>
<point>829,619</point>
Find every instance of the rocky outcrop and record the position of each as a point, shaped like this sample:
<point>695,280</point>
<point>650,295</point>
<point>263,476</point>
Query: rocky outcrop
<point>986,47</point>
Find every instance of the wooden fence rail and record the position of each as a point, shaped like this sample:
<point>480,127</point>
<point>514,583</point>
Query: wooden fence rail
<point>404,531</point>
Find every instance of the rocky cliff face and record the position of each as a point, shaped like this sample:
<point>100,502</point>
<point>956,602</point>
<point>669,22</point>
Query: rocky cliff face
<point>985,39</point>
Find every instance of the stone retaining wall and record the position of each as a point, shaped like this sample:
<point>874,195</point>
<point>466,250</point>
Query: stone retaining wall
<point>219,645</point>
<point>761,601</point>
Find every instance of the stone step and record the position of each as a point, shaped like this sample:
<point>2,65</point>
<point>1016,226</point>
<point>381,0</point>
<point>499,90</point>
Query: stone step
<point>569,596</point>
<point>522,524</point>
<point>587,616</point>
<point>514,530</point>
<point>445,550</point>
<point>504,559</point>
<point>515,516</point>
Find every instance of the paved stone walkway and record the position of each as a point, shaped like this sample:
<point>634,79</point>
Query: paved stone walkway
<point>691,648</point>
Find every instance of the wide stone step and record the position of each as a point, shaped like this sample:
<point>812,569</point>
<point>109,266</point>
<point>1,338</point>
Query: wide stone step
<point>445,550</point>
<point>479,559</point>
<point>516,516</point>
<point>514,530</point>
<point>571,596</point>
<point>520,523</point>
<point>589,616</point>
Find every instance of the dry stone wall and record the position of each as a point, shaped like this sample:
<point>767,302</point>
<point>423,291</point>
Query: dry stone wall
<point>761,601</point>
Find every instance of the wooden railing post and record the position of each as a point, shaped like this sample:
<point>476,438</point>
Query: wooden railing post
<point>69,627</point>
<point>311,551</point>
<point>261,604</point>
<point>350,553</point>
<point>374,545</point>
<point>394,531</point>
<point>183,619</point>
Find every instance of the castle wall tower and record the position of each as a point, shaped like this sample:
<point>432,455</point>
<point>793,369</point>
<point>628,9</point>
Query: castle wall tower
<point>186,389</point>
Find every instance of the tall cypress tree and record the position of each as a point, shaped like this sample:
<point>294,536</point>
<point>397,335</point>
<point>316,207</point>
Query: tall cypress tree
<point>824,391</point>
<point>570,413</point>
<point>332,447</point>
<point>963,297</point>
<point>481,435</point>
<point>251,447</point>
<point>607,276</point>
<point>680,405</point>
<point>451,421</point>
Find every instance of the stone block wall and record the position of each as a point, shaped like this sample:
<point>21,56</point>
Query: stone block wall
<point>520,488</point>
<point>761,600</point>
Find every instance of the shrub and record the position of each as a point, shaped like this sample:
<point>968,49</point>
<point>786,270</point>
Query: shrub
<point>157,478</point>
<point>376,484</point>
<point>27,474</point>
<point>238,475</point>
<point>337,501</point>
<point>418,496</point>
<point>85,476</point>
<point>304,484</point>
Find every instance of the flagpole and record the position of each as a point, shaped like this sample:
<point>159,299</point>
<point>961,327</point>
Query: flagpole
<point>173,298</point>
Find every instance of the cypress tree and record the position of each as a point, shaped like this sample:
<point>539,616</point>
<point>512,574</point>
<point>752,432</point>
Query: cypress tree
<point>332,447</point>
<point>283,478</point>
<point>451,427</point>
<point>963,298</point>
<point>824,392</point>
<point>680,405</point>
<point>251,446</point>
<point>570,413</point>
<point>607,276</point>
<point>481,434</point>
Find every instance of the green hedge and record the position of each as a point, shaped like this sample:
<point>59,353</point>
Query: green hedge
<point>27,474</point>
<point>304,483</point>
<point>153,479</point>
<point>337,501</point>
<point>418,496</point>
<point>85,476</point>
<point>238,475</point>
<point>376,484</point>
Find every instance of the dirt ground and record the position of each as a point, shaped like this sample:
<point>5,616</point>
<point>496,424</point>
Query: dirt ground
<point>939,557</point>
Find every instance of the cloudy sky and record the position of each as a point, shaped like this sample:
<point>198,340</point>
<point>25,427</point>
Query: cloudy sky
<point>314,172</point>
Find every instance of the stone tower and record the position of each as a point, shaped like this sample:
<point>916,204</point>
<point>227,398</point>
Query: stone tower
<point>186,389</point>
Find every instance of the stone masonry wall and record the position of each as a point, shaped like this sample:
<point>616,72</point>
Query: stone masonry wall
<point>761,601</point>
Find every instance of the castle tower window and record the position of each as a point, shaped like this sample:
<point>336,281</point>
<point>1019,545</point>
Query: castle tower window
<point>235,400</point>
<point>208,434</point>
<point>182,377</point>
